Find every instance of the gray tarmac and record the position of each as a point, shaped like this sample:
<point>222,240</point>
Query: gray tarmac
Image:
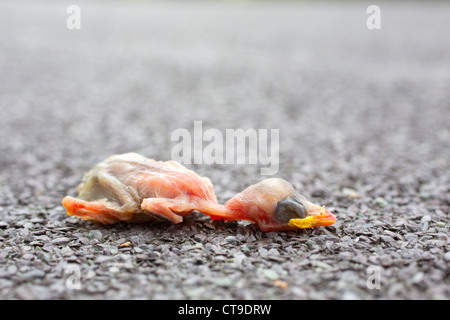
<point>363,117</point>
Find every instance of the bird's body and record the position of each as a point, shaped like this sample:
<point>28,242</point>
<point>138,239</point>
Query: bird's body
<point>130,187</point>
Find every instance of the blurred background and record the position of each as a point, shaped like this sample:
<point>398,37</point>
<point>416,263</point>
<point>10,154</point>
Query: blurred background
<point>366,110</point>
<point>344,97</point>
<point>136,71</point>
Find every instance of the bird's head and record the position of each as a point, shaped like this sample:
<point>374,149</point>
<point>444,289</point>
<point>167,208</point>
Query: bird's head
<point>275,205</point>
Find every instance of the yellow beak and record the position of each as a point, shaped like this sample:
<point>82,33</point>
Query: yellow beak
<point>324,219</point>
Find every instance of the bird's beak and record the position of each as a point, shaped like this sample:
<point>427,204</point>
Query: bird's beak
<point>321,218</point>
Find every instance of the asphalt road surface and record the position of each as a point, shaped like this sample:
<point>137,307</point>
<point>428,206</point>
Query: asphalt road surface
<point>363,118</point>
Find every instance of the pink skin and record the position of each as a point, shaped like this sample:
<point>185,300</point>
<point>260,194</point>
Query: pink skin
<point>133,188</point>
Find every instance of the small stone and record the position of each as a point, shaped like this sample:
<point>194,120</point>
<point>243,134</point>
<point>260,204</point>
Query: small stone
<point>350,295</point>
<point>263,252</point>
<point>322,265</point>
<point>310,243</point>
<point>44,256</point>
<point>200,237</point>
<point>72,220</point>
<point>102,259</point>
<point>232,240</point>
<point>350,193</point>
<point>245,248</point>
<point>60,241</point>
<point>11,269</point>
<point>424,196</point>
<point>440,224</point>
<point>95,234</point>
<point>28,256</point>
<point>344,255</point>
<point>318,193</point>
<point>125,244</point>
<point>3,224</point>
<point>280,284</point>
<point>223,282</point>
<point>220,259</point>
<point>270,274</point>
<point>346,239</point>
<point>83,240</point>
<point>276,258</point>
<point>389,240</point>
<point>380,202</point>
<point>447,256</point>
<point>273,252</point>
<point>210,225</point>
<point>12,233</point>
<point>114,269</point>
<point>195,293</point>
<point>141,257</point>
<point>199,245</point>
<point>154,255</point>
<point>418,277</point>
<point>66,251</point>
<point>33,274</point>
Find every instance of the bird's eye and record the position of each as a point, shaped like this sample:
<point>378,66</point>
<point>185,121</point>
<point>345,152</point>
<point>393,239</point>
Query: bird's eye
<point>288,209</point>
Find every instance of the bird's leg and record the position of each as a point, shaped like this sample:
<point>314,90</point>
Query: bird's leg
<point>98,211</point>
<point>217,211</point>
<point>163,208</point>
<point>173,210</point>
